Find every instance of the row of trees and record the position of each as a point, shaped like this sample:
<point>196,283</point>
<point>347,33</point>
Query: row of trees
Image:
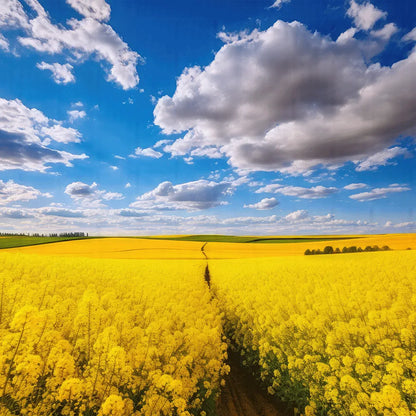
<point>75,234</point>
<point>352,249</point>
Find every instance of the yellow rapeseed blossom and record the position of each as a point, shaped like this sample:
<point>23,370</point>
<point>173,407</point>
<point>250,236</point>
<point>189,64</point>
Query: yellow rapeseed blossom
<point>107,337</point>
<point>334,334</point>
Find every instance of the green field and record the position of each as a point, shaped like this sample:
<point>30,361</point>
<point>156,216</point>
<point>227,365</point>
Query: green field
<point>21,241</point>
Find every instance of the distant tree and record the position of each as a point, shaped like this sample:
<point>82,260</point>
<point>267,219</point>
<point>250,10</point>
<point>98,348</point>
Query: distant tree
<point>376,248</point>
<point>328,250</point>
<point>345,250</point>
<point>368,248</point>
<point>318,251</point>
<point>359,249</point>
<point>313,252</point>
<point>337,250</point>
<point>385,248</point>
<point>307,252</point>
<point>352,249</point>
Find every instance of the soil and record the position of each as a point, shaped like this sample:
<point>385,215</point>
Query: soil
<point>242,395</point>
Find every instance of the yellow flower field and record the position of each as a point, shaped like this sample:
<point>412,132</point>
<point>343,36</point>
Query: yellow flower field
<point>247,250</point>
<point>117,248</point>
<point>107,337</point>
<point>334,335</point>
<point>142,248</point>
<point>128,326</point>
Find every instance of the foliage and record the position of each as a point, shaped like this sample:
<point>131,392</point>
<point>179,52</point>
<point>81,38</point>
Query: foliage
<point>352,249</point>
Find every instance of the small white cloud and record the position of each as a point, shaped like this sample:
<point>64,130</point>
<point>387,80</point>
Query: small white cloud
<point>76,114</point>
<point>62,212</point>
<point>127,185</point>
<point>354,186</point>
<point>119,157</point>
<point>315,192</point>
<point>347,35</point>
<point>96,9</point>
<point>411,36</point>
<point>365,15</point>
<point>147,152</point>
<point>265,203</point>
<point>386,32</point>
<point>61,134</point>
<point>298,215</point>
<point>113,167</point>
<point>381,158</point>
<point>11,192</point>
<point>61,74</point>
<point>379,193</point>
<point>83,193</point>
<point>162,143</point>
<point>278,3</point>
<point>4,44</point>
<point>190,196</point>
<point>78,104</point>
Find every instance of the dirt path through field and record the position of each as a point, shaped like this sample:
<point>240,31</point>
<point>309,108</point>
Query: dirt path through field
<point>242,395</point>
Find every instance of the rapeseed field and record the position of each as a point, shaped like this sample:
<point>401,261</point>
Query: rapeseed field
<point>334,335</point>
<point>107,337</point>
<point>129,326</point>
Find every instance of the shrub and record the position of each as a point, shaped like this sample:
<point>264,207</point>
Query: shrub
<point>328,250</point>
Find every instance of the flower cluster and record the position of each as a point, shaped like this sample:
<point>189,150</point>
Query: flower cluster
<point>334,335</point>
<point>107,337</point>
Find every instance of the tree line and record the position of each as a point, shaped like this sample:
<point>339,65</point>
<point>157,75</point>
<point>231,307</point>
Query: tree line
<point>352,249</point>
<point>66,235</point>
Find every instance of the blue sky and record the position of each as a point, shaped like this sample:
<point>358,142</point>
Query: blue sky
<point>242,117</point>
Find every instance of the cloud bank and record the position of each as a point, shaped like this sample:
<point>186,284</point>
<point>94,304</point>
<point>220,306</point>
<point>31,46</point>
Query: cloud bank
<point>286,99</point>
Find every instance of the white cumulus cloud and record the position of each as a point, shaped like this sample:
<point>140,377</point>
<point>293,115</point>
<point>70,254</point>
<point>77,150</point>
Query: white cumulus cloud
<point>85,38</point>
<point>354,186</point>
<point>61,74</point>
<point>286,99</point>
<point>190,196</point>
<point>76,114</point>
<point>11,192</point>
<point>90,195</point>
<point>365,15</point>
<point>25,137</point>
<point>379,193</point>
<point>96,9</point>
<point>381,158</point>
<point>147,152</point>
<point>315,192</point>
<point>265,203</point>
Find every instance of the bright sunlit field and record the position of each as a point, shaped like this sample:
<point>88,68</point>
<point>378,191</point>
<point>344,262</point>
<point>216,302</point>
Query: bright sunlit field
<point>140,326</point>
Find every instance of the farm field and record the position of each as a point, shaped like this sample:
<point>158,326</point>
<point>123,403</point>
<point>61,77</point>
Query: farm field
<point>107,337</point>
<point>160,248</point>
<point>22,241</point>
<point>140,326</point>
